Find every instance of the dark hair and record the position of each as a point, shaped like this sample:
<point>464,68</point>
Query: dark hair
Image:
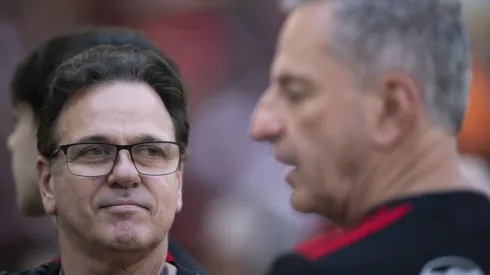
<point>32,76</point>
<point>109,63</point>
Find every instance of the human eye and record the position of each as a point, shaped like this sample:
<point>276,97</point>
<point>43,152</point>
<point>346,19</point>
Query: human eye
<point>94,150</point>
<point>151,150</point>
<point>293,89</point>
<point>294,93</point>
<point>90,152</point>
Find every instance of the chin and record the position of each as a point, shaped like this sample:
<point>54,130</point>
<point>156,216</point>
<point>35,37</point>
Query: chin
<point>301,202</point>
<point>128,237</point>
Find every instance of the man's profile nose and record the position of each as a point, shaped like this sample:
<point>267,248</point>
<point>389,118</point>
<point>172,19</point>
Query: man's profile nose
<point>264,125</point>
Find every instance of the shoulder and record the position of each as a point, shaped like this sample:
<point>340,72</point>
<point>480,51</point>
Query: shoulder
<point>406,244</point>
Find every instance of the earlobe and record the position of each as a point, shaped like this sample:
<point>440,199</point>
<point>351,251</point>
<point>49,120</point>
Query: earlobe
<point>44,176</point>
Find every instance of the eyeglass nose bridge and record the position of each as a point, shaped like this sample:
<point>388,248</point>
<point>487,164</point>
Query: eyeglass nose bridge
<point>120,148</point>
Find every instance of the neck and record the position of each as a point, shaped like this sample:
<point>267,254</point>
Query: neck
<point>106,261</point>
<point>414,168</point>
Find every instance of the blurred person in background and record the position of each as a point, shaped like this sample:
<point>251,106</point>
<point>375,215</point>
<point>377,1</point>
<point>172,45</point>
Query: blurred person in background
<point>112,137</point>
<point>29,90</point>
<point>19,234</point>
<point>365,102</point>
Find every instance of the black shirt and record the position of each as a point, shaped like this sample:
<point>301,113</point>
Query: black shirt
<point>446,233</point>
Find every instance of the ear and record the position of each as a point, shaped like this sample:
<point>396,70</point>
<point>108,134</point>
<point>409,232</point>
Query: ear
<point>45,182</point>
<point>398,109</point>
<point>180,174</point>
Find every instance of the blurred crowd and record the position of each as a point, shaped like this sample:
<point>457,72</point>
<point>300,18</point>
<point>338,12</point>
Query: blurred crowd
<point>237,215</point>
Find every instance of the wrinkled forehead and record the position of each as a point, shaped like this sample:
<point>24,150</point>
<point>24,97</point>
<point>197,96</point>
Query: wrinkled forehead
<point>116,112</point>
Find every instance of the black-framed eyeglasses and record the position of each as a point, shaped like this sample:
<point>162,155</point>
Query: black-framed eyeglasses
<point>156,158</point>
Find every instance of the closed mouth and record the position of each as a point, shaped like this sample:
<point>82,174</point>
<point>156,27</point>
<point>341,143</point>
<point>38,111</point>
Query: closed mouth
<point>123,204</point>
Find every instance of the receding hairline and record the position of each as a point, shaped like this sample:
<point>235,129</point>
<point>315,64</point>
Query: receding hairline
<point>321,24</point>
<point>325,13</point>
<point>426,40</point>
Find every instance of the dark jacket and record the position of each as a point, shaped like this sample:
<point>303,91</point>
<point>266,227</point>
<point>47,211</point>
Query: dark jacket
<point>447,233</point>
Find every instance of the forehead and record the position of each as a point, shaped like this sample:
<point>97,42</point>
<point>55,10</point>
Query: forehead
<point>302,46</point>
<point>119,111</point>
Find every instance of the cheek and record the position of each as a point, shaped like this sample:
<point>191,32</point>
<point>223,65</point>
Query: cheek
<point>165,192</point>
<point>325,133</point>
<point>24,156</point>
<point>71,191</point>
<point>319,132</point>
<point>23,146</point>
<point>16,139</point>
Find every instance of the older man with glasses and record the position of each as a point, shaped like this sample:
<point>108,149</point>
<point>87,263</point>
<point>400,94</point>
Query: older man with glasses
<point>112,137</point>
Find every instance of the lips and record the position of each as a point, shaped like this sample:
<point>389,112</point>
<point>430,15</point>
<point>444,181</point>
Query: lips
<point>289,176</point>
<point>291,167</point>
<point>284,160</point>
<point>123,203</point>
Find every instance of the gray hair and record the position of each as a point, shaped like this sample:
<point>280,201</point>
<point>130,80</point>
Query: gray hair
<point>426,39</point>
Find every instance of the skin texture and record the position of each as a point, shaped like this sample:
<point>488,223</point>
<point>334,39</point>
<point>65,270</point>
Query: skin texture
<point>122,239</point>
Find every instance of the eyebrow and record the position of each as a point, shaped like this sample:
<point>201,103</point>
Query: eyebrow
<point>93,138</point>
<point>104,139</point>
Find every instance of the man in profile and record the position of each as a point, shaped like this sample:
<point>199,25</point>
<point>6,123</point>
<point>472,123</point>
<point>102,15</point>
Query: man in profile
<point>365,102</point>
<point>29,89</point>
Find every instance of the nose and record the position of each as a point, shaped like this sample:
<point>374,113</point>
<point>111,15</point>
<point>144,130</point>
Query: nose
<point>265,124</point>
<point>124,173</point>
